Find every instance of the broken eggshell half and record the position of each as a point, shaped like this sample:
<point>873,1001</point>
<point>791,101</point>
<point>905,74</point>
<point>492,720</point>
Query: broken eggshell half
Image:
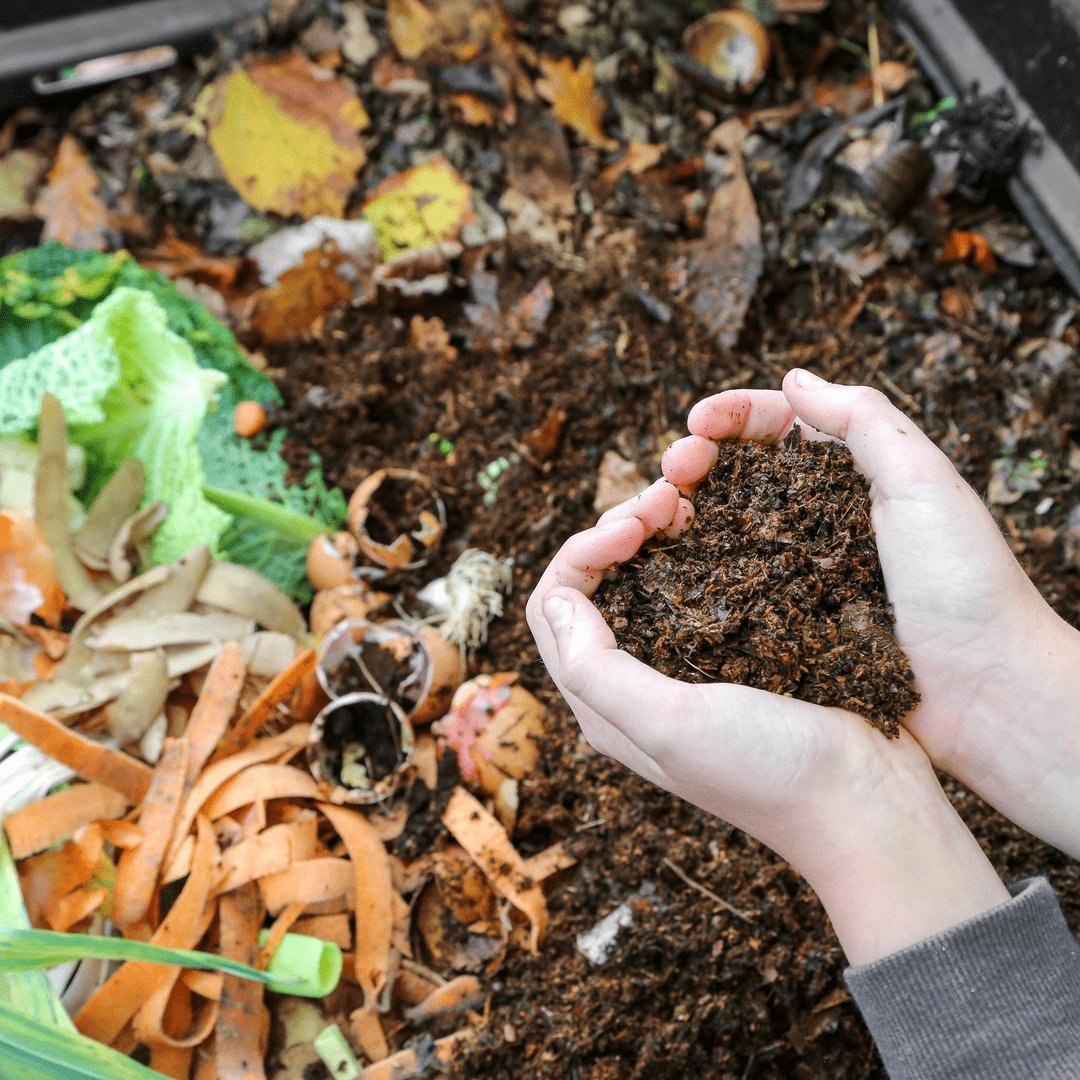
<point>360,749</point>
<point>330,560</point>
<point>417,668</point>
<point>733,45</point>
<point>397,518</point>
<point>494,727</point>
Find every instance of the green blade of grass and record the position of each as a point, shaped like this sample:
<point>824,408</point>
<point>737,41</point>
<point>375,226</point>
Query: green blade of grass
<point>24,950</point>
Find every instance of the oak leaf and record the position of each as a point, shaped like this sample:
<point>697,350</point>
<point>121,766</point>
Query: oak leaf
<point>571,92</point>
<point>69,203</point>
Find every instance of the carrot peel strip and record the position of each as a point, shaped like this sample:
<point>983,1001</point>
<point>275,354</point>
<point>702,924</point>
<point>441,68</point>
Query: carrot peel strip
<point>91,760</point>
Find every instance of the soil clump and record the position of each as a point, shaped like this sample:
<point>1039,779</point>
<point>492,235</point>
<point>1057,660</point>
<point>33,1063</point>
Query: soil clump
<point>776,585</point>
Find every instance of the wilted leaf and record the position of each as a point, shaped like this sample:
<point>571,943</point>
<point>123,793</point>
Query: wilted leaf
<point>287,136</point>
<point>473,111</point>
<point>961,245</point>
<point>571,93</point>
<point>500,331</point>
<point>177,258</point>
<point>723,267</point>
<point>451,31</point>
<point>420,207</point>
<point>301,295</point>
<point>358,44</point>
<point>19,172</point>
<point>69,204</point>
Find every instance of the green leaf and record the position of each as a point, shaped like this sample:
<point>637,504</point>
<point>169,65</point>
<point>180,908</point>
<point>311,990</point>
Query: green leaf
<point>48,291</point>
<point>29,991</point>
<point>32,1050</point>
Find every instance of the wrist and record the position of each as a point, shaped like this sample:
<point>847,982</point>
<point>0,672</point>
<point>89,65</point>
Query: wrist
<point>1022,753</point>
<point>898,871</point>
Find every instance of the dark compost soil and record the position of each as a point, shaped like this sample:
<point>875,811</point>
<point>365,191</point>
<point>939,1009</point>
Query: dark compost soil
<point>776,584</point>
<point>986,363</point>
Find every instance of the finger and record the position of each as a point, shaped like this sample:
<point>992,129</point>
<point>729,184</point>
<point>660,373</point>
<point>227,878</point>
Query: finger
<point>647,707</point>
<point>687,461</point>
<point>886,445</point>
<point>763,416</point>
<point>603,736</point>
<point>655,508</point>
<point>681,522</point>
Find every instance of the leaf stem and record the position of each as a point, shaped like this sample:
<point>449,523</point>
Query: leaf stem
<point>280,518</point>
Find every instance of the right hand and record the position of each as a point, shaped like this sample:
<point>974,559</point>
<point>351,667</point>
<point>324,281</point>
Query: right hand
<point>996,668</point>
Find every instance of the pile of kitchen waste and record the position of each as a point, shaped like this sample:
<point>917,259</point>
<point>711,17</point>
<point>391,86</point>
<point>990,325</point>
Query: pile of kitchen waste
<point>776,584</point>
<point>184,763</point>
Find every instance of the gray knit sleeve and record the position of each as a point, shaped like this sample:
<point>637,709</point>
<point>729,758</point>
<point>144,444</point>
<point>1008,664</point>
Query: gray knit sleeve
<point>997,996</point>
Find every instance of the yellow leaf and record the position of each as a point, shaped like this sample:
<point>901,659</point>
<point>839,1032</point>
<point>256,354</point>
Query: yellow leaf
<point>571,93</point>
<point>422,206</point>
<point>287,136</point>
<point>411,26</point>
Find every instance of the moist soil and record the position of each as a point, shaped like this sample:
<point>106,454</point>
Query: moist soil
<point>776,584</point>
<point>731,968</point>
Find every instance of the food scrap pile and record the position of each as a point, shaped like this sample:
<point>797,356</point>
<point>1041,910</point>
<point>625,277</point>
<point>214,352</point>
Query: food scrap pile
<point>224,786</point>
<point>775,584</point>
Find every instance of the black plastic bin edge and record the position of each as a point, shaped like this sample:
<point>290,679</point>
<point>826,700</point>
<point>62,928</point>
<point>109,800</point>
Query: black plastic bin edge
<point>51,46</point>
<point>1046,188</point>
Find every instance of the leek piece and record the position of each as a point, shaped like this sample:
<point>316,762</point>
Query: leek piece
<point>309,966</point>
<point>336,1053</point>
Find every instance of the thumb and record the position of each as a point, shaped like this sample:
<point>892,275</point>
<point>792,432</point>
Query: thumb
<point>885,444</point>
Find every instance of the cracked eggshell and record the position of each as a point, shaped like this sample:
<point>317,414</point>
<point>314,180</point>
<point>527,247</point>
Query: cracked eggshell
<point>330,560</point>
<point>410,548</point>
<point>354,600</point>
<point>349,734</point>
<point>434,666</point>
<point>494,726</point>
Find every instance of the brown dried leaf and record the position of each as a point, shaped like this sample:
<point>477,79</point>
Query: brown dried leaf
<point>69,204</point>
<point>301,295</point>
<point>723,268</point>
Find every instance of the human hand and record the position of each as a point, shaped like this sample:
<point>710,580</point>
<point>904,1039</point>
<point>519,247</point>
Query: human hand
<point>862,818</point>
<point>994,665</point>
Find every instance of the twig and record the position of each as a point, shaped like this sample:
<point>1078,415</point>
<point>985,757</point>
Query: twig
<point>687,880</point>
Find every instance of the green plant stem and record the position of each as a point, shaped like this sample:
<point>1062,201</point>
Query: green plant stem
<point>283,520</point>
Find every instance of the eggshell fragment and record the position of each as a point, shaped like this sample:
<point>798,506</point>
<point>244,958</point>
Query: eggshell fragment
<point>330,560</point>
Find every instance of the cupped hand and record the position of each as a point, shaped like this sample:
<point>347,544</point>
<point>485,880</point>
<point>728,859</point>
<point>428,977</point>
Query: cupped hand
<point>991,660</point>
<point>820,786</point>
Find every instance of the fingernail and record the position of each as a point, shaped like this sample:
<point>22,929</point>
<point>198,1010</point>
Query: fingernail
<point>807,380</point>
<point>557,611</point>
